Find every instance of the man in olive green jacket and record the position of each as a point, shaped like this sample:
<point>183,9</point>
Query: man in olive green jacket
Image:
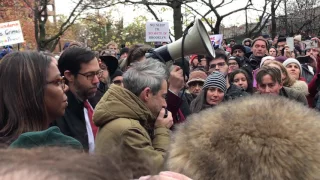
<point>126,117</point>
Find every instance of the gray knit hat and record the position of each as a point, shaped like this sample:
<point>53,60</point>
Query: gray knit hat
<point>292,60</point>
<point>216,79</point>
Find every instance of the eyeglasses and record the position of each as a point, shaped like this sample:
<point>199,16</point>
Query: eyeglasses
<point>90,75</point>
<point>233,64</point>
<point>237,51</point>
<point>117,82</point>
<point>60,82</point>
<point>218,64</point>
<point>196,83</point>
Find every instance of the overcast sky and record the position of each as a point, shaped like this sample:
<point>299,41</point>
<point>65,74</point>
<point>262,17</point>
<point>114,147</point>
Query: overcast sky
<point>65,6</point>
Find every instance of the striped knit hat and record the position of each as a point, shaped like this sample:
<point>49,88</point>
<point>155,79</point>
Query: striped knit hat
<point>216,79</point>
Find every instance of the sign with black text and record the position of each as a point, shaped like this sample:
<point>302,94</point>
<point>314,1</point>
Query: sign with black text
<point>10,33</point>
<point>157,32</point>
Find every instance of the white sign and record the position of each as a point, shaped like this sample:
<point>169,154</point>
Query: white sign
<point>216,40</point>
<point>290,43</point>
<point>10,33</point>
<point>157,32</point>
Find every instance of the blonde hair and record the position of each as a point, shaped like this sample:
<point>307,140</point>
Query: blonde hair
<point>111,43</point>
<point>288,81</point>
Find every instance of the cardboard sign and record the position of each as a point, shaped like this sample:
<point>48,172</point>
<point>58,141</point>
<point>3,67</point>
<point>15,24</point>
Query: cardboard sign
<point>10,33</point>
<point>308,44</point>
<point>216,40</point>
<point>157,32</point>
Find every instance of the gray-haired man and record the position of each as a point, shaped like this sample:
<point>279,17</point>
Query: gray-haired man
<point>133,117</point>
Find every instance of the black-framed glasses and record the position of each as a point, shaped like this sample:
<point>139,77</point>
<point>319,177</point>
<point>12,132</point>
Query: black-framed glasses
<point>59,81</point>
<point>233,64</point>
<point>90,75</point>
<point>212,66</point>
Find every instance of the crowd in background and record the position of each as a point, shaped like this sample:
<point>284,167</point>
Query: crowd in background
<point>249,112</point>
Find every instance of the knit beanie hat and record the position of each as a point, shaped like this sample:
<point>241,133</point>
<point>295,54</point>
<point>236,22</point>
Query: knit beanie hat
<point>197,76</point>
<point>266,58</point>
<point>193,57</point>
<point>292,60</point>
<point>281,58</point>
<point>238,46</point>
<point>217,80</point>
<point>236,59</point>
<point>298,38</point>
<point>116,74</point>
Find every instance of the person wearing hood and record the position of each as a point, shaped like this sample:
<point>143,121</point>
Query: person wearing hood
<point>240,52</point>
<point>212,93</point>
<point>134,118</point>
<point>247,42</point>
<point>258,137</point>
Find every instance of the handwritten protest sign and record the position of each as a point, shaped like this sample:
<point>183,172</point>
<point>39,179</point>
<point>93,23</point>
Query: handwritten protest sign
<point>10,33</point>
<point>216,40</point>
<point>157,32</point>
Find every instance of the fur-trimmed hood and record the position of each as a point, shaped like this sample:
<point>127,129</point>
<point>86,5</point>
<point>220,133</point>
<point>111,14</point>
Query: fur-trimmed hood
<point>257,137</point>
<point>246,39</point>
<point>301,86</point>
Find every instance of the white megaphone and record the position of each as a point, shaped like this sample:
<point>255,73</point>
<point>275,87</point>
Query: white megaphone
<point>197,41</point>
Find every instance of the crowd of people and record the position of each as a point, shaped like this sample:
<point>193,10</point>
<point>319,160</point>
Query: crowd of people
<point>249,112</point>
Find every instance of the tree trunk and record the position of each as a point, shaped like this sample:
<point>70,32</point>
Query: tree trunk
<point>217,26</point>
<point>177,19</point>
<point>273,21</point>
<point>247,26</point>
<point>286,16</point>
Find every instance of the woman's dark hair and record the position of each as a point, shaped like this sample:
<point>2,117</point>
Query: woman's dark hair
<point>23,76</point>
<point>249,80</point>
<point>199,103</point>
<point>272,47</point>
<point>136,52</point>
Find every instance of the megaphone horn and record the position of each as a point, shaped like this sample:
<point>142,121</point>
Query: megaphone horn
<point>197,41</point>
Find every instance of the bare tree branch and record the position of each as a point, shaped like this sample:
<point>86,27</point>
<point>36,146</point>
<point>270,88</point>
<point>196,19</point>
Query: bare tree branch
<point>203,16</point>
<point>145,2</point>
<point>219,5</point>
<point>69,21</point>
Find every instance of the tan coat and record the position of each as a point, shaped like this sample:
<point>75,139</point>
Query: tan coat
<point>125,121</point>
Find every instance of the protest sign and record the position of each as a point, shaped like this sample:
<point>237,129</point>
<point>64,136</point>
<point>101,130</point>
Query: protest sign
<point>290,43</point>
<point>216,40</point>
<point>10,33</point>
<point>157,32</point>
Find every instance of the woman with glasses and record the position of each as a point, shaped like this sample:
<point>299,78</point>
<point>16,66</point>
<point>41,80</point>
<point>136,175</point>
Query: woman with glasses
<point>233,63</point>
<point>32,96</point>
